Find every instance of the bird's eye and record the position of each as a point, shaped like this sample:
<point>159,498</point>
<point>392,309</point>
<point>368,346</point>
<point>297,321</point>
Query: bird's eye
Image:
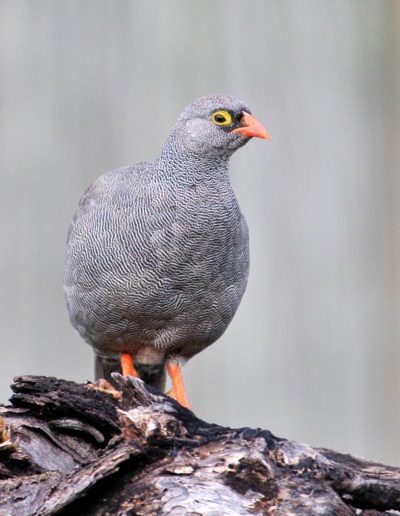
<point>221,118</point>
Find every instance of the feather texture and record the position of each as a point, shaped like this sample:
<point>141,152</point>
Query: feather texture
<point>157,254</point>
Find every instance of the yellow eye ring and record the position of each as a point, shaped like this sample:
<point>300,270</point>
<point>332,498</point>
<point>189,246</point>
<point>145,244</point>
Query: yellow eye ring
<point>221,118</point>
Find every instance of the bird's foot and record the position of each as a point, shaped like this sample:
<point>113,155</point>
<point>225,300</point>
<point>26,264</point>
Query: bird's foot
<point>177,392</point>
<point>127,367</point>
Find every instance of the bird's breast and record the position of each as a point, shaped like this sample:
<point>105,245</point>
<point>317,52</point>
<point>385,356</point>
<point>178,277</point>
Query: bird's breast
<point>156,266</point>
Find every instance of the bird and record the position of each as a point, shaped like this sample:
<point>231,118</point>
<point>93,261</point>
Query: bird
<point>157,255</point>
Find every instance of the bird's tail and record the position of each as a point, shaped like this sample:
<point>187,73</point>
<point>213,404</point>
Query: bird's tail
<point>152,374</point>
<point>105,365</point>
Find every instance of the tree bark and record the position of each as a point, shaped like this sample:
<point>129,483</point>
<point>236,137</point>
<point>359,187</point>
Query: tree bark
<point>79,449</point>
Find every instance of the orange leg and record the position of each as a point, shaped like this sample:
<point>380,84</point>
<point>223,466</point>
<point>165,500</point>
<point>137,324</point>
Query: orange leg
<point>127,366</point>
<point>177,392</point>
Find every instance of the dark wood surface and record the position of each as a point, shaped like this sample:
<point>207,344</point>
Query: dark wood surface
<point>71,449</point>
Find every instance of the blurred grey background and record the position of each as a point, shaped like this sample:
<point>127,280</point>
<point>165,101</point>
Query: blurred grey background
<point>87,86</point>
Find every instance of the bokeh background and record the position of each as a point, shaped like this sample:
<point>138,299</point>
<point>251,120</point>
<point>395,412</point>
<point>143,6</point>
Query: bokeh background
<point>313,352</point>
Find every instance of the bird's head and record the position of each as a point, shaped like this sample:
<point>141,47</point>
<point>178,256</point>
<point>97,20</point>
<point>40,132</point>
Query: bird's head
<point>214,125</point>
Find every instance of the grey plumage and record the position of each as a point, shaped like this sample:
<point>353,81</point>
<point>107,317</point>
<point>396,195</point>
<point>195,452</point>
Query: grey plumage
<point>157,254</point>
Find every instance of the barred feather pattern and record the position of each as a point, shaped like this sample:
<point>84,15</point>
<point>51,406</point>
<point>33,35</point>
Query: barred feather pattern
<point>157,253</point>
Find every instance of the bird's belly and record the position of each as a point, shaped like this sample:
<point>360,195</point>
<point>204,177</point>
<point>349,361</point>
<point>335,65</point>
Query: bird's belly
<point>180,302</point>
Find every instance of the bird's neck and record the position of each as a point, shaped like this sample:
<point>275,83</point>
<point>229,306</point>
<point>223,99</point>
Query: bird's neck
<point>194,166</point>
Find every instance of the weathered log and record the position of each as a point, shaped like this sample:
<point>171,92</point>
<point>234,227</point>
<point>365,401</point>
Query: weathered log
<point>68,449</point>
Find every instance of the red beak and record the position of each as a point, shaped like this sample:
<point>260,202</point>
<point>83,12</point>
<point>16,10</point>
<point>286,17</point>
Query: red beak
<point>251,127</point>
